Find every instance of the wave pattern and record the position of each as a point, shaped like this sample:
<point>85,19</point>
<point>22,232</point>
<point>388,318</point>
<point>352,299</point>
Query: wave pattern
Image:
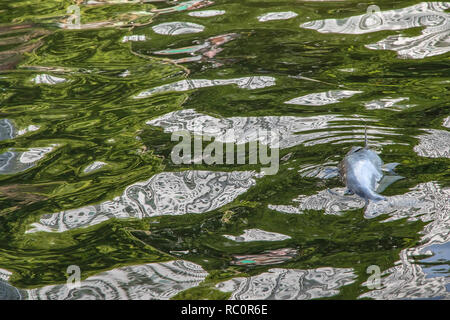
<point>430,15</point>
<point>154,281</point>
<point>323,98</point>
<point>435,144</point>
<point>177,28</point>
<point>257,235</point>
<point>289,284</point>
<point>249,83</point>
<point>167,193</point>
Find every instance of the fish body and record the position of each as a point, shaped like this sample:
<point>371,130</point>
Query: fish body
<point>361,171</point>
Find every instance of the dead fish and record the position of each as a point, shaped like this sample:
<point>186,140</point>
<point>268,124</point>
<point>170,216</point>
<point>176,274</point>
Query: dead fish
<point>362,171</point>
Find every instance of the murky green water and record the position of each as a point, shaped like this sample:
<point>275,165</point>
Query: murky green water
<point>86,177</point>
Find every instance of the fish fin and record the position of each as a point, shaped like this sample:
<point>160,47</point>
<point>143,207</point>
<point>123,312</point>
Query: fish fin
<point>389,167</point>
<point>386,181</point>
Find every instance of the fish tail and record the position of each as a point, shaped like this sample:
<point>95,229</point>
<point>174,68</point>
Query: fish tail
<point>375,196</point>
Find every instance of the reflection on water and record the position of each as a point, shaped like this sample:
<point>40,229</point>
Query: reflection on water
<point>387,103</point>
<point>167,193</point>
<point>176,28</point>
<point>206,13</point>
<point>440,255</point>
<point>323,98</point>
<point>257,235</point>
<point>277,16</point>
<point>87,114</point>
<point>435,144</point>
<point>430,15</point>
<point>153,281</point>
<point>47,79</point>
<point>249,83</point>
<point>289,284</point>
<point>17,161</point>
<point>266,258</point>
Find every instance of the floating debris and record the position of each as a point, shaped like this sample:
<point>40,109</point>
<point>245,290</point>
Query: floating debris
<point>206,13</point>
<point>265,258</point>
<point>271,16</point>
<point>47,79</point>
<point>166,193</point>
<point>430,15</point>
<point>250,235</point>
<point>249,83</point>
<point>323,98</point>
<point>289,284</point>
<point>176,28</point>
<point>435,144</point>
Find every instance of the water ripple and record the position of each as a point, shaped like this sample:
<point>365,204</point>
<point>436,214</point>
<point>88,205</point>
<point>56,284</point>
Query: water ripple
<point>289,284</point>
<point>167,193</point>
<point>433,40</point>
